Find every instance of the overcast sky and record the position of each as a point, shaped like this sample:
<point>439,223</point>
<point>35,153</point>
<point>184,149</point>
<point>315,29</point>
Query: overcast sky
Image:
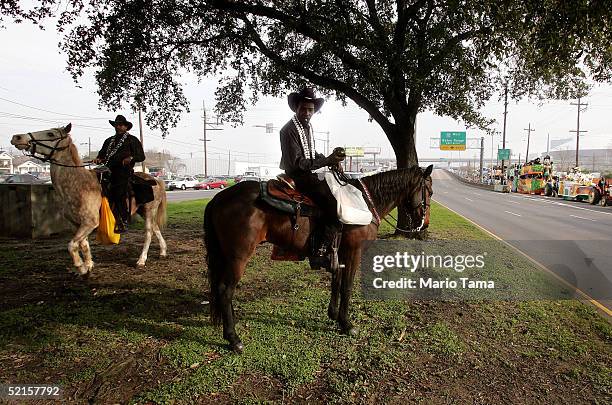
<point>32,73</point>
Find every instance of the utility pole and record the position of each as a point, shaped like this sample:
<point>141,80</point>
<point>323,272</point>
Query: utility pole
<point>504,135</point>
<point>481,155</point>
<point>548,144</point>
<point>205,123</point>
<point>229,162</point>
<point>141,135</point>
<point>529,130</point>
<point>578,131</point>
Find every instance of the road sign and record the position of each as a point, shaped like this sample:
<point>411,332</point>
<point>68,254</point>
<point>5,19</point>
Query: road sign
<point>354,151</point>
<point>503,154</point>
<point>452,140</point>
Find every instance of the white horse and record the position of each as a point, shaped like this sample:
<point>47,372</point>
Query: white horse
<point>81,194</point>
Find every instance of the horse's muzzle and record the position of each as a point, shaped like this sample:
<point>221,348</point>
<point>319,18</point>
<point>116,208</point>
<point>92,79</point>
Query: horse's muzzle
<point>20,142</point>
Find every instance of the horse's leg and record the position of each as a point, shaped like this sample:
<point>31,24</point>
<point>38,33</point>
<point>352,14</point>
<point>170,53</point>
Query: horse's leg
<point>88,261</point>
<point>149,218</point>
<point>226,294</point>
<point>332,309</point>
<point>348,275</point>
<point>73,247</point>
<point>162,242</point>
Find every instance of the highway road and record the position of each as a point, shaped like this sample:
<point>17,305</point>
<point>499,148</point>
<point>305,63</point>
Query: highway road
<point>572,239</point>
<point>184,195</point>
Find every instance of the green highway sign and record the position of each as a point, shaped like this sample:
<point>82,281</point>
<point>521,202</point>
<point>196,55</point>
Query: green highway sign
<point>452,140</point>
<point>503,154</point>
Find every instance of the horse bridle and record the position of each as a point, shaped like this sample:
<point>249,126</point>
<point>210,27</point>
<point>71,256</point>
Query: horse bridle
<point>33,142</point>
<point>424,204</point>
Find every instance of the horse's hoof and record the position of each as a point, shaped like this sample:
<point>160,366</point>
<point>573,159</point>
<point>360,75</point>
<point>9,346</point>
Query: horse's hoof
<point>333,315</point>
<point>238,347</point>
<point>351,331</point>
<point>163,257</point>
<point>140,266</point>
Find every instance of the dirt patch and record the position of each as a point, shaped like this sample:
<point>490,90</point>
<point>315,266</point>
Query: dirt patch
<point>125,332</point>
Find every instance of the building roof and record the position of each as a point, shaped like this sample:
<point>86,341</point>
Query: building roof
<point>599,141</point>
<point>19,160</point>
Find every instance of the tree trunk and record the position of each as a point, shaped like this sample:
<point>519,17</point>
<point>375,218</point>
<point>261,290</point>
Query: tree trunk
<point>403,142</point>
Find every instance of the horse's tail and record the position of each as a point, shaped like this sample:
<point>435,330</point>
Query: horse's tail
<point>214,261</point>
<point>160,219</point>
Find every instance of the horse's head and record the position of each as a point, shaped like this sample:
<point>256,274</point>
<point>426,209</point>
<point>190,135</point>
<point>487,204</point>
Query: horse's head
<point>44,143</point>
<point>417,202</point>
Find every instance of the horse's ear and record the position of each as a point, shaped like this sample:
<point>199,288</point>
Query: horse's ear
<point>67,128</point>
<point>428,171</point>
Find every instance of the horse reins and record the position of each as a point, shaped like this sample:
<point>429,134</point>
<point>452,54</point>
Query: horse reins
<point>340,176</point>
<point>33,142</point>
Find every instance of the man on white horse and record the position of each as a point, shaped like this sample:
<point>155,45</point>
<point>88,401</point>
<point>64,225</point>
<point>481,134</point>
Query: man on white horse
<point>120,153</point>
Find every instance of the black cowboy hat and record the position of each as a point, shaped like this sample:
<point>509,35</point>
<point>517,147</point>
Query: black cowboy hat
<point>306,94</point>
<point>120,119</point>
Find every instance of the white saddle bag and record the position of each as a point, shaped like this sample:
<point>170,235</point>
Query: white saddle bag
<point>352,208</point>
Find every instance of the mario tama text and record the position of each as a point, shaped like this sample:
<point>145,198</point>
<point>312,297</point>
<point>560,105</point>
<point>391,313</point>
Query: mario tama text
<point>452,270</point>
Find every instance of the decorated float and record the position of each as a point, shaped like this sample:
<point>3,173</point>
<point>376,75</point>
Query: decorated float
<point>535,177</point>
<point>576,185</point>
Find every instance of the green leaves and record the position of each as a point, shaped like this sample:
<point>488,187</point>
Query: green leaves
<point>392,58</point>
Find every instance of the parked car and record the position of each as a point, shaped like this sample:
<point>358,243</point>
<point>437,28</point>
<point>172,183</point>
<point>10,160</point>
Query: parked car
<point>24,179</point>
<point>211,182</point>
<point>250,178</point>
<point>183,183</point>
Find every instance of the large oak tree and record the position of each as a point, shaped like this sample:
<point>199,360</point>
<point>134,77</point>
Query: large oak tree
<point>393,58</point>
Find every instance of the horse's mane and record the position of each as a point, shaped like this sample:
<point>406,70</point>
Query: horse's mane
<point>74,153</point>
<point>385,186</point>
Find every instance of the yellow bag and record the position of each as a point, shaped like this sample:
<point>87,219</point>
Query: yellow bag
<point>106,230</point>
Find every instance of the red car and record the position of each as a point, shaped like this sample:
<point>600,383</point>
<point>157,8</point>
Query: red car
<point>211,183</point>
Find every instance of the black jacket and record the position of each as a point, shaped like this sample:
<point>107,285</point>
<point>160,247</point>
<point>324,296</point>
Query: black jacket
<point>130,147</point>
<point>293,160</point>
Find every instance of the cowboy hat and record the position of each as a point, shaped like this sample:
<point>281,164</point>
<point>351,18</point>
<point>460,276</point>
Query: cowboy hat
<point>120,119</point>
<point>306,94</point>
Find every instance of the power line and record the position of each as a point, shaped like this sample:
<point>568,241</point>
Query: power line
<point>49,111</point>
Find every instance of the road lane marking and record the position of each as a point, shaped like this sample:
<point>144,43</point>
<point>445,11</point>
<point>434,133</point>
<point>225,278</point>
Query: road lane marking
<point>587,297</point>
<point>518,215</point>
<point>514,202</point>
<point>476,193</point>
<point>588,219</point>
<point>469,199</point>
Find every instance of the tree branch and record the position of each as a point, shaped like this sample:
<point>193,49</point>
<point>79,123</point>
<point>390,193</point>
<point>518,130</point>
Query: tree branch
<point>320,80</point>
<point>300,26</point>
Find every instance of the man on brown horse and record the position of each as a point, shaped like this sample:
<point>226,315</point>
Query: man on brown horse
<point>299,159</point>
<point>120,153</point>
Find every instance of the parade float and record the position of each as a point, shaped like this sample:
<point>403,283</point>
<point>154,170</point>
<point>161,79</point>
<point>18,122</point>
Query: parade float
<point>535,177</point>
<point>576,185</point>
<point>601,191</point>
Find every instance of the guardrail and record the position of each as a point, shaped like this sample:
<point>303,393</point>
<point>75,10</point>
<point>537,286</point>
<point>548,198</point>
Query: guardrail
<point>471,183</point>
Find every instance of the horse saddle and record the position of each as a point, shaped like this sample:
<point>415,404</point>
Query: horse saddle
<point>142,187</point>
<point>281,194</point>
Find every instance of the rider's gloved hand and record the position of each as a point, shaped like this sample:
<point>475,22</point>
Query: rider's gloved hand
<point>334,159</point>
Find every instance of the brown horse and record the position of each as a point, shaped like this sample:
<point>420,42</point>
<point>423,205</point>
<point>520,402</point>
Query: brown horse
<point>81,193</point>
<point>236,221</point>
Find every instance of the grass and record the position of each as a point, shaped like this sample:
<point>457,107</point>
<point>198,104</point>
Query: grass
<point>149,334</point>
